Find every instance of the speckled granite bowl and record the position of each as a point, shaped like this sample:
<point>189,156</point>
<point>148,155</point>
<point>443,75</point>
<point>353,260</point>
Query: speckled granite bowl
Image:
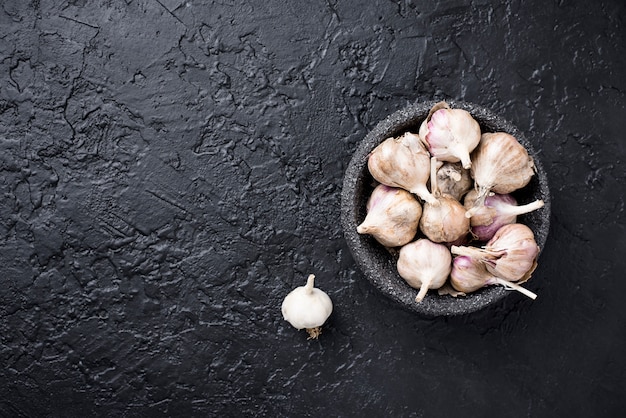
<point>377,263</point>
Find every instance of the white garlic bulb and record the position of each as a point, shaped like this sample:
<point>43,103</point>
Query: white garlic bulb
<point>402,162</point>
<point>392,216</point>
<point>307,307</point>
<point>424,265</point>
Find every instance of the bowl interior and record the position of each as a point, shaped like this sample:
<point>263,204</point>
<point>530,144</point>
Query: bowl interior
<point>377,263</point>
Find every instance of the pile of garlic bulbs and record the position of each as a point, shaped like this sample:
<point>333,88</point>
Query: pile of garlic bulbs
<point>443,203</point>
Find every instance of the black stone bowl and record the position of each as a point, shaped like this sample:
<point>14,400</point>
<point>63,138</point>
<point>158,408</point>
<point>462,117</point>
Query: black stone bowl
<point>379,264</point>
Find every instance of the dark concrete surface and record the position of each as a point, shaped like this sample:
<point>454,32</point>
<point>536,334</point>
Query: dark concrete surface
<point>170,170</point>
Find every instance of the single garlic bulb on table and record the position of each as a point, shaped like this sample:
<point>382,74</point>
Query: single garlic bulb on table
<point>307,307</point>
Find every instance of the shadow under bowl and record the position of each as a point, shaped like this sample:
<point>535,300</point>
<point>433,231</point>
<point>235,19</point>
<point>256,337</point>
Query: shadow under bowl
<point>378,264</point>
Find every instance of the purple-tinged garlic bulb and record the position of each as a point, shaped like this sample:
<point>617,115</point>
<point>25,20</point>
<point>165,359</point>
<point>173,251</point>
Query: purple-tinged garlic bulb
<point>444,219</point>
<point>498,210</point>
<point>451,134</point>
<point>511,254</point>
<point>402,162</point>
<point>500,165</point>
<point>468,275</point>
<point>393,215</point>
<point>424,265</point>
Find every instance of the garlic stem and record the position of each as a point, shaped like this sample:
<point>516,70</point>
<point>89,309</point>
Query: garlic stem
<point>519,210</point>
<point>423,290</point>
<point>514,286</point>
<point>422,191</point>
<point>467,251</point>
<point>483,192</point>
<point>310,281</point>
<point>433,176</point>
<point>462,153</point>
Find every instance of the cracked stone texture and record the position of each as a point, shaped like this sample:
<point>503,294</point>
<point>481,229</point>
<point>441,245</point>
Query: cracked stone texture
<point>170,170</point>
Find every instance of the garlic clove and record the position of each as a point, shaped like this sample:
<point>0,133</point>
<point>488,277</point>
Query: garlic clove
<point>307,307</point>
<point>393,216</point>
<point>424,265</point>
<point>451,134</point>
<point>402,162</point>
<point>500,165</point>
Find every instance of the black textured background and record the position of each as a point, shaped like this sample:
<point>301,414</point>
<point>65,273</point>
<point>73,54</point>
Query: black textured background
<point>171,169</point>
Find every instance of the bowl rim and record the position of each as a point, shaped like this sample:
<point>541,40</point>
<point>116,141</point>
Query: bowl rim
<point>360,246</point>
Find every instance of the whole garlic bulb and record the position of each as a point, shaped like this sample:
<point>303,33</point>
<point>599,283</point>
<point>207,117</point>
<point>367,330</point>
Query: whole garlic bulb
<point>402,162</point>
<point>424,265</point>
<point>454,180</point>
<point>511,254</point>
<point>307,307</point>
<point>500,165</point>
<point>451,134</point>
<point>469,275</point>
<point>498,210</point>
<point>443,220</point>
<point>393,215</point>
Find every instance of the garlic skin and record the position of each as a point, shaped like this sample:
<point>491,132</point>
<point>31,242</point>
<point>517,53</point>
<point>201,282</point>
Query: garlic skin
<point>393,216</point>
<point>443,220</point>
<point>424,265</point>
<point>500,165</point>
<point>468,275</point>
<point>498,210</point>
<point>402,162</point>
<point>454,180</point>
<point>307,307</point>
<point>510,255</point>
<point>451,134</point>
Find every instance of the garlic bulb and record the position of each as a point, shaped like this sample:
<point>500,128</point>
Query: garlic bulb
<point>392,217</point>
<point>454,180</point>
<point>469,275</point>
<point>451,134</point>
<point>511,254</point>
<point>443,220</point>
<point>424,265</point>
<point>402,162</point>
<point>307,307</point>
<point>500,165</point>
<point>498,210</point>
